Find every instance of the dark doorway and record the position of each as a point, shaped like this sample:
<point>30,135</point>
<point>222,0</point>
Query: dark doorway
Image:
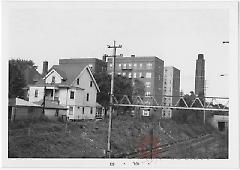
<point>221,126</point>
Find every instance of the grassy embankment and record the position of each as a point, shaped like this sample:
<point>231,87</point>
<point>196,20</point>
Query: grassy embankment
<point>88,139</point>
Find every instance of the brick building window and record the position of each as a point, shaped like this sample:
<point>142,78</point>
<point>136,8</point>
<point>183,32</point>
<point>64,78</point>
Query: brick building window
<point>148,75</point>
<point>148,84</point>
<point>91,111</point>
<point>135,65</point>
<point>124,66</point>
<point>77,81</point>
<point>149,65</point>
<point>83,110</point>
<point>130,75</point>
<point>134,75</point>
<point>147,93</point>
<point>140,65</point>
<point>130,65</point>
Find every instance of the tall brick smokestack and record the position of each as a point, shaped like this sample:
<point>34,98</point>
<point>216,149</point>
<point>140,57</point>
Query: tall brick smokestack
<point>200,76</point>
<point>45,68</point>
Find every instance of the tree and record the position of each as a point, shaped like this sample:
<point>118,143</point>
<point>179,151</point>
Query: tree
<point>138,88</point>
<point>122,86</point>
<point>188,116</point>
<point>16,79</point>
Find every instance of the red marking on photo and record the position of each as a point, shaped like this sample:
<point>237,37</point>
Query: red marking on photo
<point>144,147</point>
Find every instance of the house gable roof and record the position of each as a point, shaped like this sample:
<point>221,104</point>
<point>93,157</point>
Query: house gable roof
<point>91,75</point>
<point>70,74</point>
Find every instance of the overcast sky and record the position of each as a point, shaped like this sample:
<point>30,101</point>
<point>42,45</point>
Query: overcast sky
<point>50,31</point>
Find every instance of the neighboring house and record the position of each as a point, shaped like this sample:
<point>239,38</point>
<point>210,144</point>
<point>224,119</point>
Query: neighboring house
<point>53,111</point>
<point>72,87</point>
<point>19,109</point>
<point>31,76</point>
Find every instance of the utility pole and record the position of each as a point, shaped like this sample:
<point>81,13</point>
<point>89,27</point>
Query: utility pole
<point>204,111</point>
<point>111,97</point>
<point>44,98</point>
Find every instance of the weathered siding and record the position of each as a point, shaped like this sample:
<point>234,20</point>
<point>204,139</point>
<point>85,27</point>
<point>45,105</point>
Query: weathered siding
<point>32,97</point>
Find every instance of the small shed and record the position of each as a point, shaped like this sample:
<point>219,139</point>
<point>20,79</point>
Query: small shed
<point>53,111</point>
<point>19,109</point>
<point>100,111</point>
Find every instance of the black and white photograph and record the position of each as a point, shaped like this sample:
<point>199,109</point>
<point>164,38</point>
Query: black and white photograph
<point>120,83</point>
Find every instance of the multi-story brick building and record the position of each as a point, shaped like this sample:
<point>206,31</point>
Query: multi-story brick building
<point>95,64</point>
<point>148,69</point>
<point>171,87</point>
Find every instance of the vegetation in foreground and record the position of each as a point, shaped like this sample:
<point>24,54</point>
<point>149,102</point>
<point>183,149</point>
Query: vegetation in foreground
<point>88,139</point>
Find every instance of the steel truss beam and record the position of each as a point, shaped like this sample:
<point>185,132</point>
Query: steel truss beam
<point>151,102</point>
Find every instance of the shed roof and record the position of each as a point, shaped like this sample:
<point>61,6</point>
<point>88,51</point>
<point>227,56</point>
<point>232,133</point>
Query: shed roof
<point>20,102</point>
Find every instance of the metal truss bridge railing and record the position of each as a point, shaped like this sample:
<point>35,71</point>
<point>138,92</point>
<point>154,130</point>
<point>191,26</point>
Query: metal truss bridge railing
<point>198,103</point>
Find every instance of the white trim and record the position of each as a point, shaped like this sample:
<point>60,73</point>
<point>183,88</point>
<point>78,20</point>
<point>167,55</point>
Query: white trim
<point>49,73</point>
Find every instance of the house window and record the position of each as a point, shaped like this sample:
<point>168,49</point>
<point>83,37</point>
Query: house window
<point>77,81</point>
<point>119,65</point>
<point>140,75</point>
<point>124,66</point>
<point>91,111</point>
<point>119,74</point>
<point>53,79</point>
<point>148,75</point>
<point>124,74</point>
<point>140,65</point>
<point>36,93</point>
<point>70,110</point>
<point>87,96</point>
<point>91,82</point>
<point>135,65</point>
<point>149,65</point>
<point>83,110</point>
<point>110,65</point>
<point>72,95</point>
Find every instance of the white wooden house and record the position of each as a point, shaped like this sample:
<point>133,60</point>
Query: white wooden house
<point>72,87</point>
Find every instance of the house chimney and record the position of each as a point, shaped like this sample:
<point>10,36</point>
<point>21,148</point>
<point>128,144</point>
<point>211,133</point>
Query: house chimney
<point>104,57</point>
<point>45,68</point>
<point>132,55</point>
